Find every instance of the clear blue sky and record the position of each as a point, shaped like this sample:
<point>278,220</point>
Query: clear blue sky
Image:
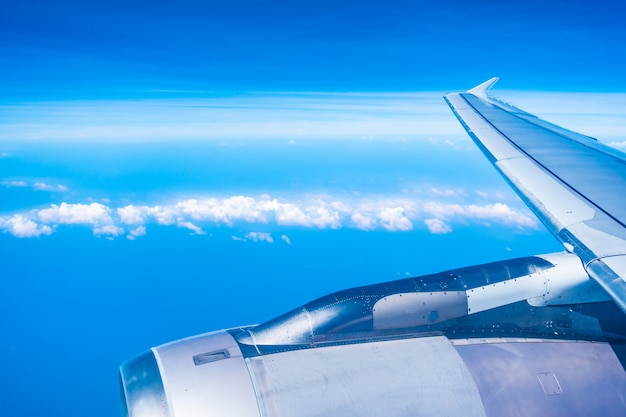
<point>170,168</point>
<point>98,49</point>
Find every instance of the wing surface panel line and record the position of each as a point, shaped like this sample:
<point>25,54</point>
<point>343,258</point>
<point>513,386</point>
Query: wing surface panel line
<point>542,166</point>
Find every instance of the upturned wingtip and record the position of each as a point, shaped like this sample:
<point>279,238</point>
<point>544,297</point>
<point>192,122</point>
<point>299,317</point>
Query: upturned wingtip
<point>483,89</point>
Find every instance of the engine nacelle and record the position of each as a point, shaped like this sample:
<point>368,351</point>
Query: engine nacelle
<point>421,346</point>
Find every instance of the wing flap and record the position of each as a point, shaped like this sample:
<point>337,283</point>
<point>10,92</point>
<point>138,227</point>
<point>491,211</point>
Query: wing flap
<point>573,183</point>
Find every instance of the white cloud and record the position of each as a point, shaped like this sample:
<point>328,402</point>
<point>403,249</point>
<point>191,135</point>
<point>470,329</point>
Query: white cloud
<point>40,186</point>
<point>140,231</point>
<point>165,216</point>
<point>286,239</point>
<point>448,193</point>
<point>188,225</point>
<point>94,213</point>
<point>135,233</point>
<point>132,215</point>
<point>394,219</point>
<point>260,237</point>
<point>363,221</point>
<point>322,212</point>
<point>437,226</point>
<point>497,212</point>
<point>20,226</point>
<point>500,212</point>
<point>10,184</point>
<point>618,145</point>
<point>108,230</point>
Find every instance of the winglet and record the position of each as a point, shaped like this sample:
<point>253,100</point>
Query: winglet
<point>483,89</point>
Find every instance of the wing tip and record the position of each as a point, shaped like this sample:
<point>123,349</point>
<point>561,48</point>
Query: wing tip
<point>483,89</point>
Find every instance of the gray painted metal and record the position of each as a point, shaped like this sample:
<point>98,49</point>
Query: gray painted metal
<point>581,165</point>
<point>411,377</point>
<point>418,309</point>
<point>547,378</point>
<point>143,393</point>
<point>220,386</point>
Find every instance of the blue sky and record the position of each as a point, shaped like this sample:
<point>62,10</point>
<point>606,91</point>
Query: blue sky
<point>174,168</point>
<point>68,49</point>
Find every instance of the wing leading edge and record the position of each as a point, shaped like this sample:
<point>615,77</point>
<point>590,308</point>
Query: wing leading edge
<point>573,183</point>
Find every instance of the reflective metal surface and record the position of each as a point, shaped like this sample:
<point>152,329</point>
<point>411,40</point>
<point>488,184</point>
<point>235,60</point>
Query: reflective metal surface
<point>410,377</point>
<point>143,393</point>
<point>547,378</point>
<point>428,303</point>
<point>196,377</point>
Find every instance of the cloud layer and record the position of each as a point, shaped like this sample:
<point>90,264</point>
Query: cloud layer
<point>198,215</point>
<point>279,115</point>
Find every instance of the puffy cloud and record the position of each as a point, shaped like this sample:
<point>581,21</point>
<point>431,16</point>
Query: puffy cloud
<point>20,226</point>
<point>443,210</point>
<point>498,212</point>
<point>290,215</point>
<point>250,210</point>
<point>229,210</point>
<point>318,216</point>
<point>94,213</point>
<point>394,219</point>
<point>108,230</point>
<point>286,239</point>
<point>135,233</point>
<point>318,213</point>
<point>140,231</point>
<point>363,221</point>
<point>132,214</point>
<point>164,215</point>
<point>437,226</point>
<point>323,212</point>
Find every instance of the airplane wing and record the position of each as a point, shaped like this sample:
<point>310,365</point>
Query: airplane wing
<point>573,183</point>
